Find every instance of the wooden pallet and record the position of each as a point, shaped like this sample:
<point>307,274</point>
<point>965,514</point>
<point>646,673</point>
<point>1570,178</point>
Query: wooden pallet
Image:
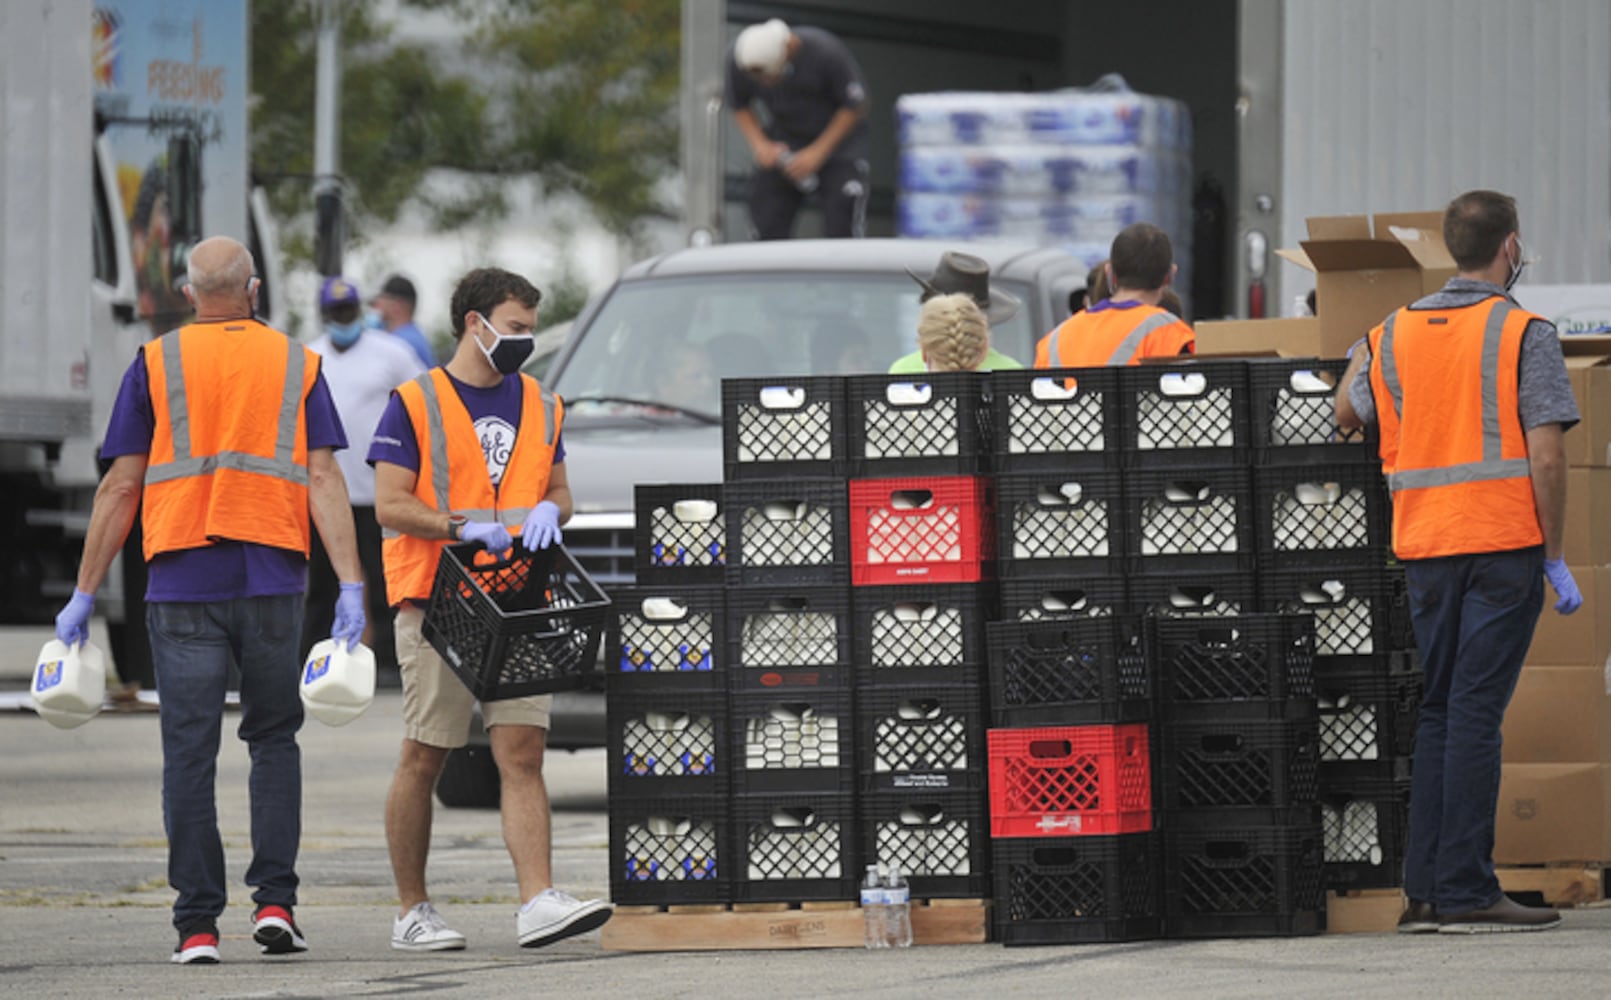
<point>1566,884</point>
<point>756,926</point>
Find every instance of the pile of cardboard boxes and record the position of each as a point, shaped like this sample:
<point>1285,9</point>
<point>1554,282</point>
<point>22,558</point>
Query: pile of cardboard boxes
<point>1555,797</point>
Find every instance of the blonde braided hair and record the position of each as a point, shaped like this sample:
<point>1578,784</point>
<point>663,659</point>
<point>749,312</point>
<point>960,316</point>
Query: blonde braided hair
<point>953,333</point>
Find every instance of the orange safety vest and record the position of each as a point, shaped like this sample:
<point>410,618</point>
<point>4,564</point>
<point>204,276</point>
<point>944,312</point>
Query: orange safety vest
<point>1090,339</point>
<point>229,449</point>
<point>453,473</point>
<point>1452,444</point>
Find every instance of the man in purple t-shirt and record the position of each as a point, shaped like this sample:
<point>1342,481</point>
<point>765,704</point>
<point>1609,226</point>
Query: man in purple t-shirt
<point>225,599</point>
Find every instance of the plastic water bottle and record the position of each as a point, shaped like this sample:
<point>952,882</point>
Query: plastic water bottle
<point>872,910</point>
<point>807,183</point>
<point>897,910</point>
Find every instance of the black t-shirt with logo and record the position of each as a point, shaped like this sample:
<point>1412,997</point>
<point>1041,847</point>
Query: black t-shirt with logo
<point>821,78</point>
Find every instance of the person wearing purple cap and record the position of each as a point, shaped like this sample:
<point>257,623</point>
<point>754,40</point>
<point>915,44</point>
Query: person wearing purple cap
<point>362,366</point>
<point>394,312</point>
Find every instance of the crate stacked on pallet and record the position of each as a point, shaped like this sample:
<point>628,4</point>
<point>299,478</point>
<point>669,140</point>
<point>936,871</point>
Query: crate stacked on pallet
<point>791,712</point>
<point>1323,540</point>
<point>922,561</point>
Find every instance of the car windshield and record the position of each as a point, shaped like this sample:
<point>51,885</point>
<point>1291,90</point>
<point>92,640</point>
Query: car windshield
<point>671,341</point>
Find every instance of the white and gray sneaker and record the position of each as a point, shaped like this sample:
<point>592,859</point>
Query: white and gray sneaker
<point>552,915</point>
<point>423,929</point>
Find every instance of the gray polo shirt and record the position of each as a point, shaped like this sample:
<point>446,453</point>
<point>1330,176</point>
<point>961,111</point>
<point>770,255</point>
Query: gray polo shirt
<point>1544,395</point>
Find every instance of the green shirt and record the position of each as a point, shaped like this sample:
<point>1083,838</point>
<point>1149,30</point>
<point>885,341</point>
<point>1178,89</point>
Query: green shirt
<point>994,361</point>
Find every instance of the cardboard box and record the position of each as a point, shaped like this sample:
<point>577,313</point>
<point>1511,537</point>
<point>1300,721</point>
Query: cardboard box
<point>1588,516</point>
<point>1287,338</point>
<point>1364,269</point>
<point>1553,812</point>
<point>1581,639</point>
<point>1588,366</point>
<point>1559,715</point>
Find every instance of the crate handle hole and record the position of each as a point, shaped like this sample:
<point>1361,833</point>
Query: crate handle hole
<point>785,604</point>
<point>669,826</point>
<point>908,393</point>
<point>667,722</point>
<point>1179,384</point>
<point>794,817</point>
<point>1225,850</point>
<point>1192,597</point>
<point>694,511</point>
<point>664,609</point>
<point>1306,382</point>
<point>785,510</point>
<point>1050,748</point>
<point>914,611</point>
<point>1054,390</point>
<point>911,499</point>
<point>1064,600</point>
<point>1330,592</point>
<point>1317,494</point>
<point>1222,743</point>
<point>1188,492</point>
<point>922,814</point>
<point>782,397</point>
<point>1055,857</point>
<point>792,711</point>
<point>920,708</point>
<point>1064,495</point>
<point>1219,635</point>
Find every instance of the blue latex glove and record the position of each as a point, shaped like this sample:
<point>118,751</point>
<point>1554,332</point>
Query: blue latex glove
<point>542,526</point>
<point>1565,587</point>
<point>72,624</point>
<point>490,535</point>
<point>349,626</point>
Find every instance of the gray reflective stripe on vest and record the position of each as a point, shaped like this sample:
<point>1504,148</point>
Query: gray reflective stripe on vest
<point>185,464</point>
<point>1128,347</point>
<point>549,430</point>
<point>1053,358</point>
<point>1493,464</point>
<point>1390,367</point>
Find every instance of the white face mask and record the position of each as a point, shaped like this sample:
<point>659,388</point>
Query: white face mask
<point>509,351</point>
<point>1518,262</point>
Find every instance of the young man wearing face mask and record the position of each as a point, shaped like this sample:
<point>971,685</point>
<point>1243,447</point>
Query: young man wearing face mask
<point>362,367</point>
<point>498,433</point>
<point>1471,397</point>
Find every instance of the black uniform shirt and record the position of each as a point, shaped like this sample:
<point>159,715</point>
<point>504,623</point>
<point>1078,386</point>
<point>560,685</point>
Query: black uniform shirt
<point>821,78</point>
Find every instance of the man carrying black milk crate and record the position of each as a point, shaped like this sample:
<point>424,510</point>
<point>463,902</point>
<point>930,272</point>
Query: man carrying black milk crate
<point>1471,396</point>
<point>471,452</point>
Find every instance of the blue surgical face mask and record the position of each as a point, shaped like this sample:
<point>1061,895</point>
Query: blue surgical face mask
<point>373,321</point>
<point>344,335</point>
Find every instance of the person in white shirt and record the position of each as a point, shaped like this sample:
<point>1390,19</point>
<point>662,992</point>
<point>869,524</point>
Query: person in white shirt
<point>362,366</point>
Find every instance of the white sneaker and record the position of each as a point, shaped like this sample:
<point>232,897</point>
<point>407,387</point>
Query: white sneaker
<point>552,915</point>
<point>423,929</point>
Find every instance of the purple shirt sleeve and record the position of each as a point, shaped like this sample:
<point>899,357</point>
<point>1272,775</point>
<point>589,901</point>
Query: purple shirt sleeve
<point>394,439</point>
<point>132,424</point>
<point>323,423</point>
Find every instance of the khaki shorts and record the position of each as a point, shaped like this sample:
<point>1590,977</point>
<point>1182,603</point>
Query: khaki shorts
<point>437,707</point>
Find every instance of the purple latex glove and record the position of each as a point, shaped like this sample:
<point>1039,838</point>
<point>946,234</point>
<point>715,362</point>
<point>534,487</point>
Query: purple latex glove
<point>542,526</point>
<point>1565,587</point>
<point>490,535</point>
<point>349,625</point>
<point>72,624</point>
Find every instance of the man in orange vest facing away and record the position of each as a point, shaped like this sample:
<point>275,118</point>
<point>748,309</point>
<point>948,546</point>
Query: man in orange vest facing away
<point>470,451</point>
<point>1471,397</point>
<point>1128,325</point>
<point>226,431</point>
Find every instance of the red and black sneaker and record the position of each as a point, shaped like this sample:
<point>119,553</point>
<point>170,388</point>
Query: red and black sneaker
<point>197,946</point>
<point>273,928</point>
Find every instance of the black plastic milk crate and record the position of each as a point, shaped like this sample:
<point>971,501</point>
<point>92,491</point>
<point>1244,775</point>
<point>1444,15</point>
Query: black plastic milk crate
<point>921,738</point>
<point>1358,610</point>
<point>789,639</point>
<point>925,424</point>
<point>680,534</point>
<point>1033,599</point>
<point>1235,764</point>
<point>1185,412</point>
<point>667,744</point>
<point>924,634</point>
<point>1077,672</point>
<point>1059,419</point>
<point>1255,881</point>
<point>1077,890</point>
<point>1189,518</point>
<point>795,847</point>
<point>1366,827</point>
<point>788,532</point>
<point>1060,524</point>
<point>792,741</point>
<point>668,850</point>
<point>667,639</point>
<point>527,624</point>
<point>1242,667</point>
<point>1293,408</point>
<point>1192,595</point>
<point>940,840</point>
<point>783,426</point>
<point>1321,513</point>
<point>1368,710</point>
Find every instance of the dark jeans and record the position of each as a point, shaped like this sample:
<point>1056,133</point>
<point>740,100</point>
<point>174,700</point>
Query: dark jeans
<point>193,645</point>
<point>1473,618</point>
<point>841,189</point>
<point>323,588</point>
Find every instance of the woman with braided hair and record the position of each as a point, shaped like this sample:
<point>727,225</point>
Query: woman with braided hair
<point>952,334</point>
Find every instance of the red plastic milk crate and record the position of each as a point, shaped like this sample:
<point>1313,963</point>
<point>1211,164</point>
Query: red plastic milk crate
<point>934,529</point>
<point>1069,781</point>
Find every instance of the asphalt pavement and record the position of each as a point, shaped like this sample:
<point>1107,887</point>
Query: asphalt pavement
<point>84,903</point>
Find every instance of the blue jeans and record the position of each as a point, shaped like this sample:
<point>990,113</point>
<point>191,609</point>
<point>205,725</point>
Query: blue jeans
<point>1473,617</point>
<point>192,645</point>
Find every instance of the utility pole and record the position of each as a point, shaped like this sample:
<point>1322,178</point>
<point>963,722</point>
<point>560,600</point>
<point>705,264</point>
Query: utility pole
<point>330,231</point>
